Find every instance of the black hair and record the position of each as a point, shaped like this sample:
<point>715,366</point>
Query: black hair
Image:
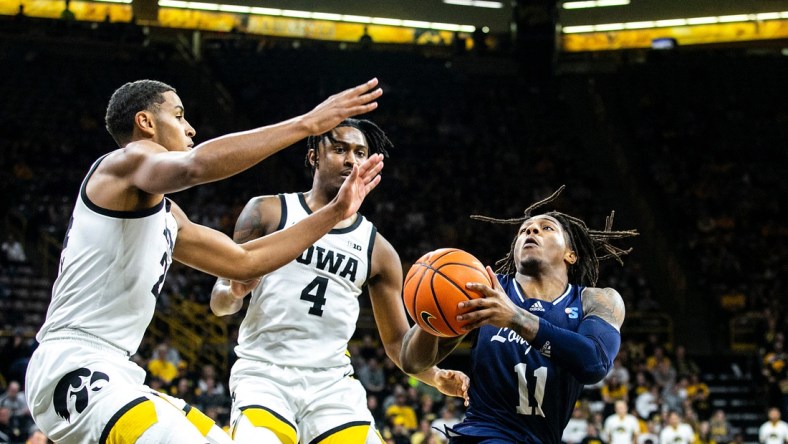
<point>376,139</point>
<point>127,101</point>
<point>585,242</point>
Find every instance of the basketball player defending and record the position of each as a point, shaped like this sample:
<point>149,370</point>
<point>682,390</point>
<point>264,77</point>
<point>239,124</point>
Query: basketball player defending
<point>541,332</point>
<point>292,381</point>
<point>121,240</point>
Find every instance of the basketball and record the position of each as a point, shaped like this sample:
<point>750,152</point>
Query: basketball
<point>434,286</point>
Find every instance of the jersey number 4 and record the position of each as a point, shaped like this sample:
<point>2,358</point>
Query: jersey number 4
<point>315,293</point>
<point>540,375</point>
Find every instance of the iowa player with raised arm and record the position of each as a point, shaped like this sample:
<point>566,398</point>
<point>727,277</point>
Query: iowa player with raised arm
<point>541,332</point>
<point>292,381</point>
<point>122,237</point>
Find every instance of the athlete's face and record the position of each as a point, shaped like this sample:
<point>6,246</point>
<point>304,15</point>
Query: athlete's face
<point>171,130</point>
<point>541,242</point>
<point>336,156</point>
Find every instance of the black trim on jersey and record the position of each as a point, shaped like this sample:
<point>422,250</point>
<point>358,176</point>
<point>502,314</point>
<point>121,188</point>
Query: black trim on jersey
<point>372,235</point>
<point>113,213</point>
<point>276,415</point>
<point>353,226</point>
<point>337,429</point>
<point>283,219</point>
<point>117,416</point>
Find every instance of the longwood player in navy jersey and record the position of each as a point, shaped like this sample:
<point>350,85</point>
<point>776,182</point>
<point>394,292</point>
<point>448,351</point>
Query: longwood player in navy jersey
<point>541,332</point>
<point>124,234</point>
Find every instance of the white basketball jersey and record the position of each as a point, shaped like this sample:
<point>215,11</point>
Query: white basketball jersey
<point>304,314</point>
<point>112,268</point>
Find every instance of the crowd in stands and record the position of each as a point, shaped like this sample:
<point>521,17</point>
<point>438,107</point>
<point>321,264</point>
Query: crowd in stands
<point>465,144</point>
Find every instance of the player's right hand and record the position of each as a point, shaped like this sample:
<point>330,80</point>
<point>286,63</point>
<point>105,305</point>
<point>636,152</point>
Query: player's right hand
<point>348,103</point>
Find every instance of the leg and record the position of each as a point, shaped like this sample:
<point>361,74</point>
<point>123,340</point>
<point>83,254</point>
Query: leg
<point>156,420</point>
<point>256,426</point>
<point>359,433</point>
<point>337,411</point>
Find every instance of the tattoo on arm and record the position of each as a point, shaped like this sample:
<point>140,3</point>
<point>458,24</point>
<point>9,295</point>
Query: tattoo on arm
<point>607,304</point>
<point>525,324</point>
<point>249,225</point>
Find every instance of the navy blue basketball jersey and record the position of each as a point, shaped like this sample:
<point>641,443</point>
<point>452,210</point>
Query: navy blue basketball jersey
<point>517,392</point>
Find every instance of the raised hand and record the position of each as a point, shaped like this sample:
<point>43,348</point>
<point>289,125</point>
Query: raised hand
<point>340,106</point>
<point>358,184</point>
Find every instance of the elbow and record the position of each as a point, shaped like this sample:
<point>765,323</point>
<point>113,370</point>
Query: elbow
<point>412,367</point>
<point>591,374</point>
<point>412,364</point>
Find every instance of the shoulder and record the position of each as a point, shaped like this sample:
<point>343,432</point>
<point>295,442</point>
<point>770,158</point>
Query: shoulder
<point>260,216</point>
<point>605,303</point>
<point>129,156</point>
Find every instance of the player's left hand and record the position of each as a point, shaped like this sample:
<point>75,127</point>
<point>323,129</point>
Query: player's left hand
<point>361,181</point>
<point>494,308</point>
<point>239,289</point>
<point>453,383</point>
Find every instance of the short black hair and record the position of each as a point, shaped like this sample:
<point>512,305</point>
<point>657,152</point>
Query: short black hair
<point>591,246</point>
<point>376,138</point>
<point>127,101</point>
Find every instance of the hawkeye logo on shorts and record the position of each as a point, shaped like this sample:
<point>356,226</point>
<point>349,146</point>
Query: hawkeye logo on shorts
<point>77,385</point>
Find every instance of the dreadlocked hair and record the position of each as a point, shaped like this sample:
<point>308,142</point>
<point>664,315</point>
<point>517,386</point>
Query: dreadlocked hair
<point>591,246</point>
<point>376,138</point>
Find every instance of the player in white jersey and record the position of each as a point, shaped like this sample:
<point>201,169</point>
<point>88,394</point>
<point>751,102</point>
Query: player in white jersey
<point>675,431</point>
<point>773,431</point>
<point>121,239</point>
<point>621,427</point>
<point>292,381</point>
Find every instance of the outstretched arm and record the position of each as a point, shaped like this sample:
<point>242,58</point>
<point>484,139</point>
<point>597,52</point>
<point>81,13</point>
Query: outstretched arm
<point>210,251</point>
<point>385,290</point>
<point>150,168</point>
<point>259,217</point>
<point>588,353</point>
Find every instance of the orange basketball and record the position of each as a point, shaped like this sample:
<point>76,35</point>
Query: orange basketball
<point>434,286</point>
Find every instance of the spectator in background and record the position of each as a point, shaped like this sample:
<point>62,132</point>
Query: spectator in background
<point>704,435</point>
<point>698,394</point>
<point>424,433</point>
<point>15,356</point>
<point>675,431</point>
<point>651,434</point>
<point>401,410</point>
<point>621,427</point>
<point>8,432</point>
<point>161,367</point>
<point>773,431</point>
<point>684,366</point>
<point>37,437</point>
<point>620,371</point>
<point>14,400</point>
<point>592,436</point>
<point>613,390</point>
<point>12,250</point>
<point>775,370</point>
<point>448,418</point>
<point>648,403</point>
<point>372,377</point>
<point>664,374</point>
<point>577,427</point>
<point>720,428</point>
